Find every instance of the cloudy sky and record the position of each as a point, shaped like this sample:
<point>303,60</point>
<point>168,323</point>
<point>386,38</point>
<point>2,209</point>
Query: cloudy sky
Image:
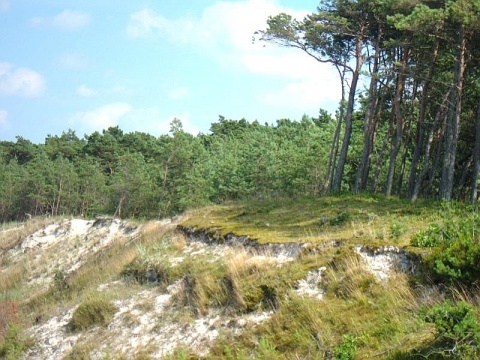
<point>86,65</point>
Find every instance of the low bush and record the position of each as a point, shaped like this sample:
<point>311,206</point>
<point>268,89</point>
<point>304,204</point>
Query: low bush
<point>14,344</point>
<point>457,330</point>
<point>455,255</point>
<point>347,349</point>
<point>91,313</point>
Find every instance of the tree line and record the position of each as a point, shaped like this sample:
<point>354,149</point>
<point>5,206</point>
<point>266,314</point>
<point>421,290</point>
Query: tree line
<point>419,62</point>
<point>408,124</point>
<point>140,175</point>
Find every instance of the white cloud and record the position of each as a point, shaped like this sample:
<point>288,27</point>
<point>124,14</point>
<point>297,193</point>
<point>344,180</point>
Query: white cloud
<point>178,93</point>
<point>304,95</point>
<point>20,81</point>
<point>224,32</point>
<point>4,124</point>
<point>67,20</point>
<point>150,120</point>
<point>226,25</point>
<point>101,118</point>
<point>85,91</point>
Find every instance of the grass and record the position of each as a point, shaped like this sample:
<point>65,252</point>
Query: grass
<point>94,312</point>
<point>12,233</point>
<point>359,317</point>
<point>362,219</point>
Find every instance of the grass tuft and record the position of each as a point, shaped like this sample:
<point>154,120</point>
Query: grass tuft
<point>94,312</point>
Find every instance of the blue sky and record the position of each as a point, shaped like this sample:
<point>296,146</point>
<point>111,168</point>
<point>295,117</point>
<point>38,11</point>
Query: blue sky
<point>87,65</point>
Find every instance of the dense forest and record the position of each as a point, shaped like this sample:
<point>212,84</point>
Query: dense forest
<point>139,175</point>
<point>408,124</point>
<point>419,114</point>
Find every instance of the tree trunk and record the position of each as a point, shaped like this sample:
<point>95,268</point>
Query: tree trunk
<point>428,147</point>
<point>421,124</point>
<point>398,116</point>
<point>476,158</point>
<point>369,123</point>
<point>337,179</point>
<point>336,138</point>
<point>453,120</point>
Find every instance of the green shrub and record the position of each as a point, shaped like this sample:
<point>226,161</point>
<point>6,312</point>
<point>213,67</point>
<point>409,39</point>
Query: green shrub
<point>14,344</point>
<point>397,229</point>
<point>456,249</point>
<point>340,219</point>
<point>92,312</point>
<point>457,329</point>
<point>347,349</point>
<point>430,237</point>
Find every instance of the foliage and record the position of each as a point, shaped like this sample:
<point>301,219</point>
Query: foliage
<point>9,312</point>
<point>455,256</point>
<point>14,343</point>
<point>347,349</point>
<point>457,329</point>
<point>138,175</point>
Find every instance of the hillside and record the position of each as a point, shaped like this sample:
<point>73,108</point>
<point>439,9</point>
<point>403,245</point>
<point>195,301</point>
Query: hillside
<point>322,278</point>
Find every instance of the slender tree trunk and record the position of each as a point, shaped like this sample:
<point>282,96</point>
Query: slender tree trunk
<point>380,162</point>
<point>476,158</point>
<point>438,151</point>
<point>426,157</point>
<point>398,116</point>
<point>118,210</point>
<point>337,179</point>
<point>401,173</point>
<point>459,191</point>
<point>421,123</point>
<point>336,137</point>
<point>453,120</point>
<point>369,123</point>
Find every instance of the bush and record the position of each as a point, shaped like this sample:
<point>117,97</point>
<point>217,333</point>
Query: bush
<point>457,329</point>
<point>14,343</point>
<point>456,249</point>
<point>340,219</point>
<point>91,313</point>
<point>347,349</point>
<point>429,237</point>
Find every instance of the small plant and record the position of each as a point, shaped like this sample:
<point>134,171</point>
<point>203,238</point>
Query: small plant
<point>91,313</point>
<point>347,349</point>
<point>457,329</point>
<point>456,249</point>
<point>80,352</point>
<point>14,344</point>
<point>60,279</point>
<point>429,237</point>
<point>396,230</point>
<point>267,350</point>
<point>9,311</point>
<point>340,219</point>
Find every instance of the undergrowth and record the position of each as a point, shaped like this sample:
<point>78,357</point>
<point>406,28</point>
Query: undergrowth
<point>359,317</point>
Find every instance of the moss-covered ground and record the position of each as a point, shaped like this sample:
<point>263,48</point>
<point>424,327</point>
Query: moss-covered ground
<point>359,219</point>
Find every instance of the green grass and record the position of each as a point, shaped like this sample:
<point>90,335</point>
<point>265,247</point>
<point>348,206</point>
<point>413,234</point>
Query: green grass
<point>361,219</point>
